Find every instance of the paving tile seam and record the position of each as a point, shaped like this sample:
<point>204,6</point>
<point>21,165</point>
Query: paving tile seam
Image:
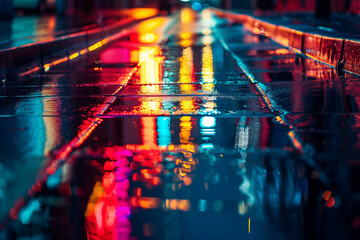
<point>77,141</point>
<point>85,86</point>
<point>250,77</point>
<point>91,125</point>
<point>346,58</point>
<point>104,116</point>
<point>232,115</point>
<point>306,151</point>
<point>207,113</point>
<point>93,122</point>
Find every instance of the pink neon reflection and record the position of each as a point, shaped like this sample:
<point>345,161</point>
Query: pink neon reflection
<point>108,210</point>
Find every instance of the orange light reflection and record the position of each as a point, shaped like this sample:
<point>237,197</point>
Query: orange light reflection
<point>187,15</point>
<point>177,204</point>
<point>207,69</point>
<point>141,13</point>
<point>148,131</point>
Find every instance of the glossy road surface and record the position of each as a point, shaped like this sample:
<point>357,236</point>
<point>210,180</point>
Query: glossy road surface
<point>188,128</point>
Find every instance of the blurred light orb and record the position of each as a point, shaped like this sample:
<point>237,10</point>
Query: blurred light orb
<point>196,6</point>
<point>207,122</point>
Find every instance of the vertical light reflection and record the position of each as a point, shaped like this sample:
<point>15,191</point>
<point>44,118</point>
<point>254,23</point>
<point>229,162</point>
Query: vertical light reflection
<point>208,77</point>
<point>207,69</point>
<point>146,30</point>
<point>241,143</point>
<point>185,129</point>
<point>150,78</point>
<point>187,77</point>
<point>134,56</point>
<point>187,71</point>
<point>187,15</point>
<point>42,30</point>
<point>242,135</point>
<point>242,138</point>
<point>108,210</point>
<point>207,131</point>
<point>163,129</point>
<point>150,75</point>
<point>52,124</point>
<point>208,22</point>
<point>207,19</point>
<point>148,131</point>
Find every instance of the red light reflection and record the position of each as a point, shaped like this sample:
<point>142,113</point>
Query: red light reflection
<point>108,211</point>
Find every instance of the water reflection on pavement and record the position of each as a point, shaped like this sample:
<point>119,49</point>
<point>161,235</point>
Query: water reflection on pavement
<point>176,140</point>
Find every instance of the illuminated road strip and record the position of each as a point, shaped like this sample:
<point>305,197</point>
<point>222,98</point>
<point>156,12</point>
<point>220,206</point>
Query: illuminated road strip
<point>270,103</point>
<point>91,48</point>
<point>85,133</point>
<point>277,111</point>
<point>252,24</point>
<point>65,151</point>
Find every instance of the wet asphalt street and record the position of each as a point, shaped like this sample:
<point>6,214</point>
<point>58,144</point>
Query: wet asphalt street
<point>26,29</point>
<point>188,128</point>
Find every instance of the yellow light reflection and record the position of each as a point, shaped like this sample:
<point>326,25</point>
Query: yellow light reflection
<point>141,13</point>
<point>150,68</point>
<point>150,75</point>
<point>207,69</point>
<point>208,76</point>
<point>73,56</point>
<point>185,129</point>
<point>134,56</point>
<point>177,204</point>
<point>186,42</point>
<point>185,35</point>
<point>147,29</point>
<point>187,15</point>
<point>97,193</point>
<point>186,30</point>
<point>95,46</point>
<point>187,106</point>
<point>148,38</point>
<point>150,25</point>
<point>187,71</point>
